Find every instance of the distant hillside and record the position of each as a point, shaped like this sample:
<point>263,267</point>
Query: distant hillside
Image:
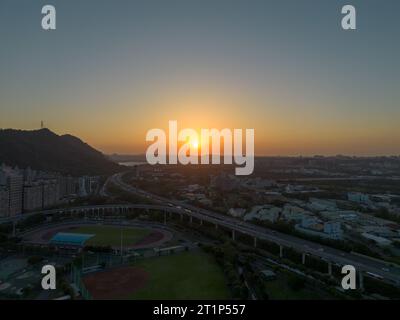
<point>47,151</point>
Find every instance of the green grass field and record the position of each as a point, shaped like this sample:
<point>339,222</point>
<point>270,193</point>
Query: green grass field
<point>187,275</point>
<point>111,235</point>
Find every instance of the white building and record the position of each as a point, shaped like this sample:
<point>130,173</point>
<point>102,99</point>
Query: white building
<point>309,221</point>
<point>322,204</point>
<point>236,212</point>
<point>264,213</point>
<point>294,213</point>
<point>334,230</point>
<point>358,197</point>
<point>329,230</point>
<point>348,215</point>
<point>379,240</point>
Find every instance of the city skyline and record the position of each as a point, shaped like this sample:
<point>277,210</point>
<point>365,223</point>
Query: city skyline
<point>306,86</point>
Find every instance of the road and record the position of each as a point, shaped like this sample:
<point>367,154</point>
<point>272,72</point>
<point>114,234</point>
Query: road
<point>365,264</point>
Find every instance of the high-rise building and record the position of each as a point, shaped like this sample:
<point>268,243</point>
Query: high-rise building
<point>67,186</point>
<point>33,197</point>
<point>3,176</point>
<point>15,186</point>
<point>4,201</point>
<point>51,193</point>
<point>71,185</point>
<point>82,187</point>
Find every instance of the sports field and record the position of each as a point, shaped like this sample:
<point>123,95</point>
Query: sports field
<point>111,235</point>
<point>186,275</point>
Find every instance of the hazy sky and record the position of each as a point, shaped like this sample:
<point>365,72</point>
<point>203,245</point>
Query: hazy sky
<point>114,69</point>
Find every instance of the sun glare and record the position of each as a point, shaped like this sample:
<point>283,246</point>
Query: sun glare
<point>195,144</point>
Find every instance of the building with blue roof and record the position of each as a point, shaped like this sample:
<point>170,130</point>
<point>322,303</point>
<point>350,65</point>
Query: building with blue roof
<point>70,239</point>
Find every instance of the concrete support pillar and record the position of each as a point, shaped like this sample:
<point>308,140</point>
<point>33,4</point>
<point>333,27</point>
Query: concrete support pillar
<point>216,226</point>
<point>233,235</point>
<point>361,280</point>
<point>191,219</point>
<point>280,251</point>
<point>255,242</point>
<point>165,217</point>
<point>201,222</point>
<point>329,268</point>
<point>303,258</point>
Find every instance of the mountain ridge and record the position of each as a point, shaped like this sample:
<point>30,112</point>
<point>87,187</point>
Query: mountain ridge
<point>45,150</point>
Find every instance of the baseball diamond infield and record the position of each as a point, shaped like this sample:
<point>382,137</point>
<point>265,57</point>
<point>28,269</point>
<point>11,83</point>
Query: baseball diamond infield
<point>186,275</point>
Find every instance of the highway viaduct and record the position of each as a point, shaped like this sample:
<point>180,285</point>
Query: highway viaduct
<point>118,209</point>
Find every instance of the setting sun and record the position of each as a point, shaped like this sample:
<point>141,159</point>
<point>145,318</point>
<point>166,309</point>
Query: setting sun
<point>195,144</point>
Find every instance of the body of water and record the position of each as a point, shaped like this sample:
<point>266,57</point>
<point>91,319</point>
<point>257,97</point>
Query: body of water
<point>132,163</point>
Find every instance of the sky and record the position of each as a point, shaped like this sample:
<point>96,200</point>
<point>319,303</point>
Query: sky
<point>114,69</point>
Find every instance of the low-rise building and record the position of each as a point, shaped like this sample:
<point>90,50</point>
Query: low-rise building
<point>321,204</point>
<point>236,212</point>
<point>294,213</point>
<point>378,240</point>
<point>328,230</point>
<point>264,213</point>
<point>358,197</point>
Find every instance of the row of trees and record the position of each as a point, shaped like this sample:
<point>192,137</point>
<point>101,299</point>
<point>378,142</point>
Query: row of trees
<point>226,256</point>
